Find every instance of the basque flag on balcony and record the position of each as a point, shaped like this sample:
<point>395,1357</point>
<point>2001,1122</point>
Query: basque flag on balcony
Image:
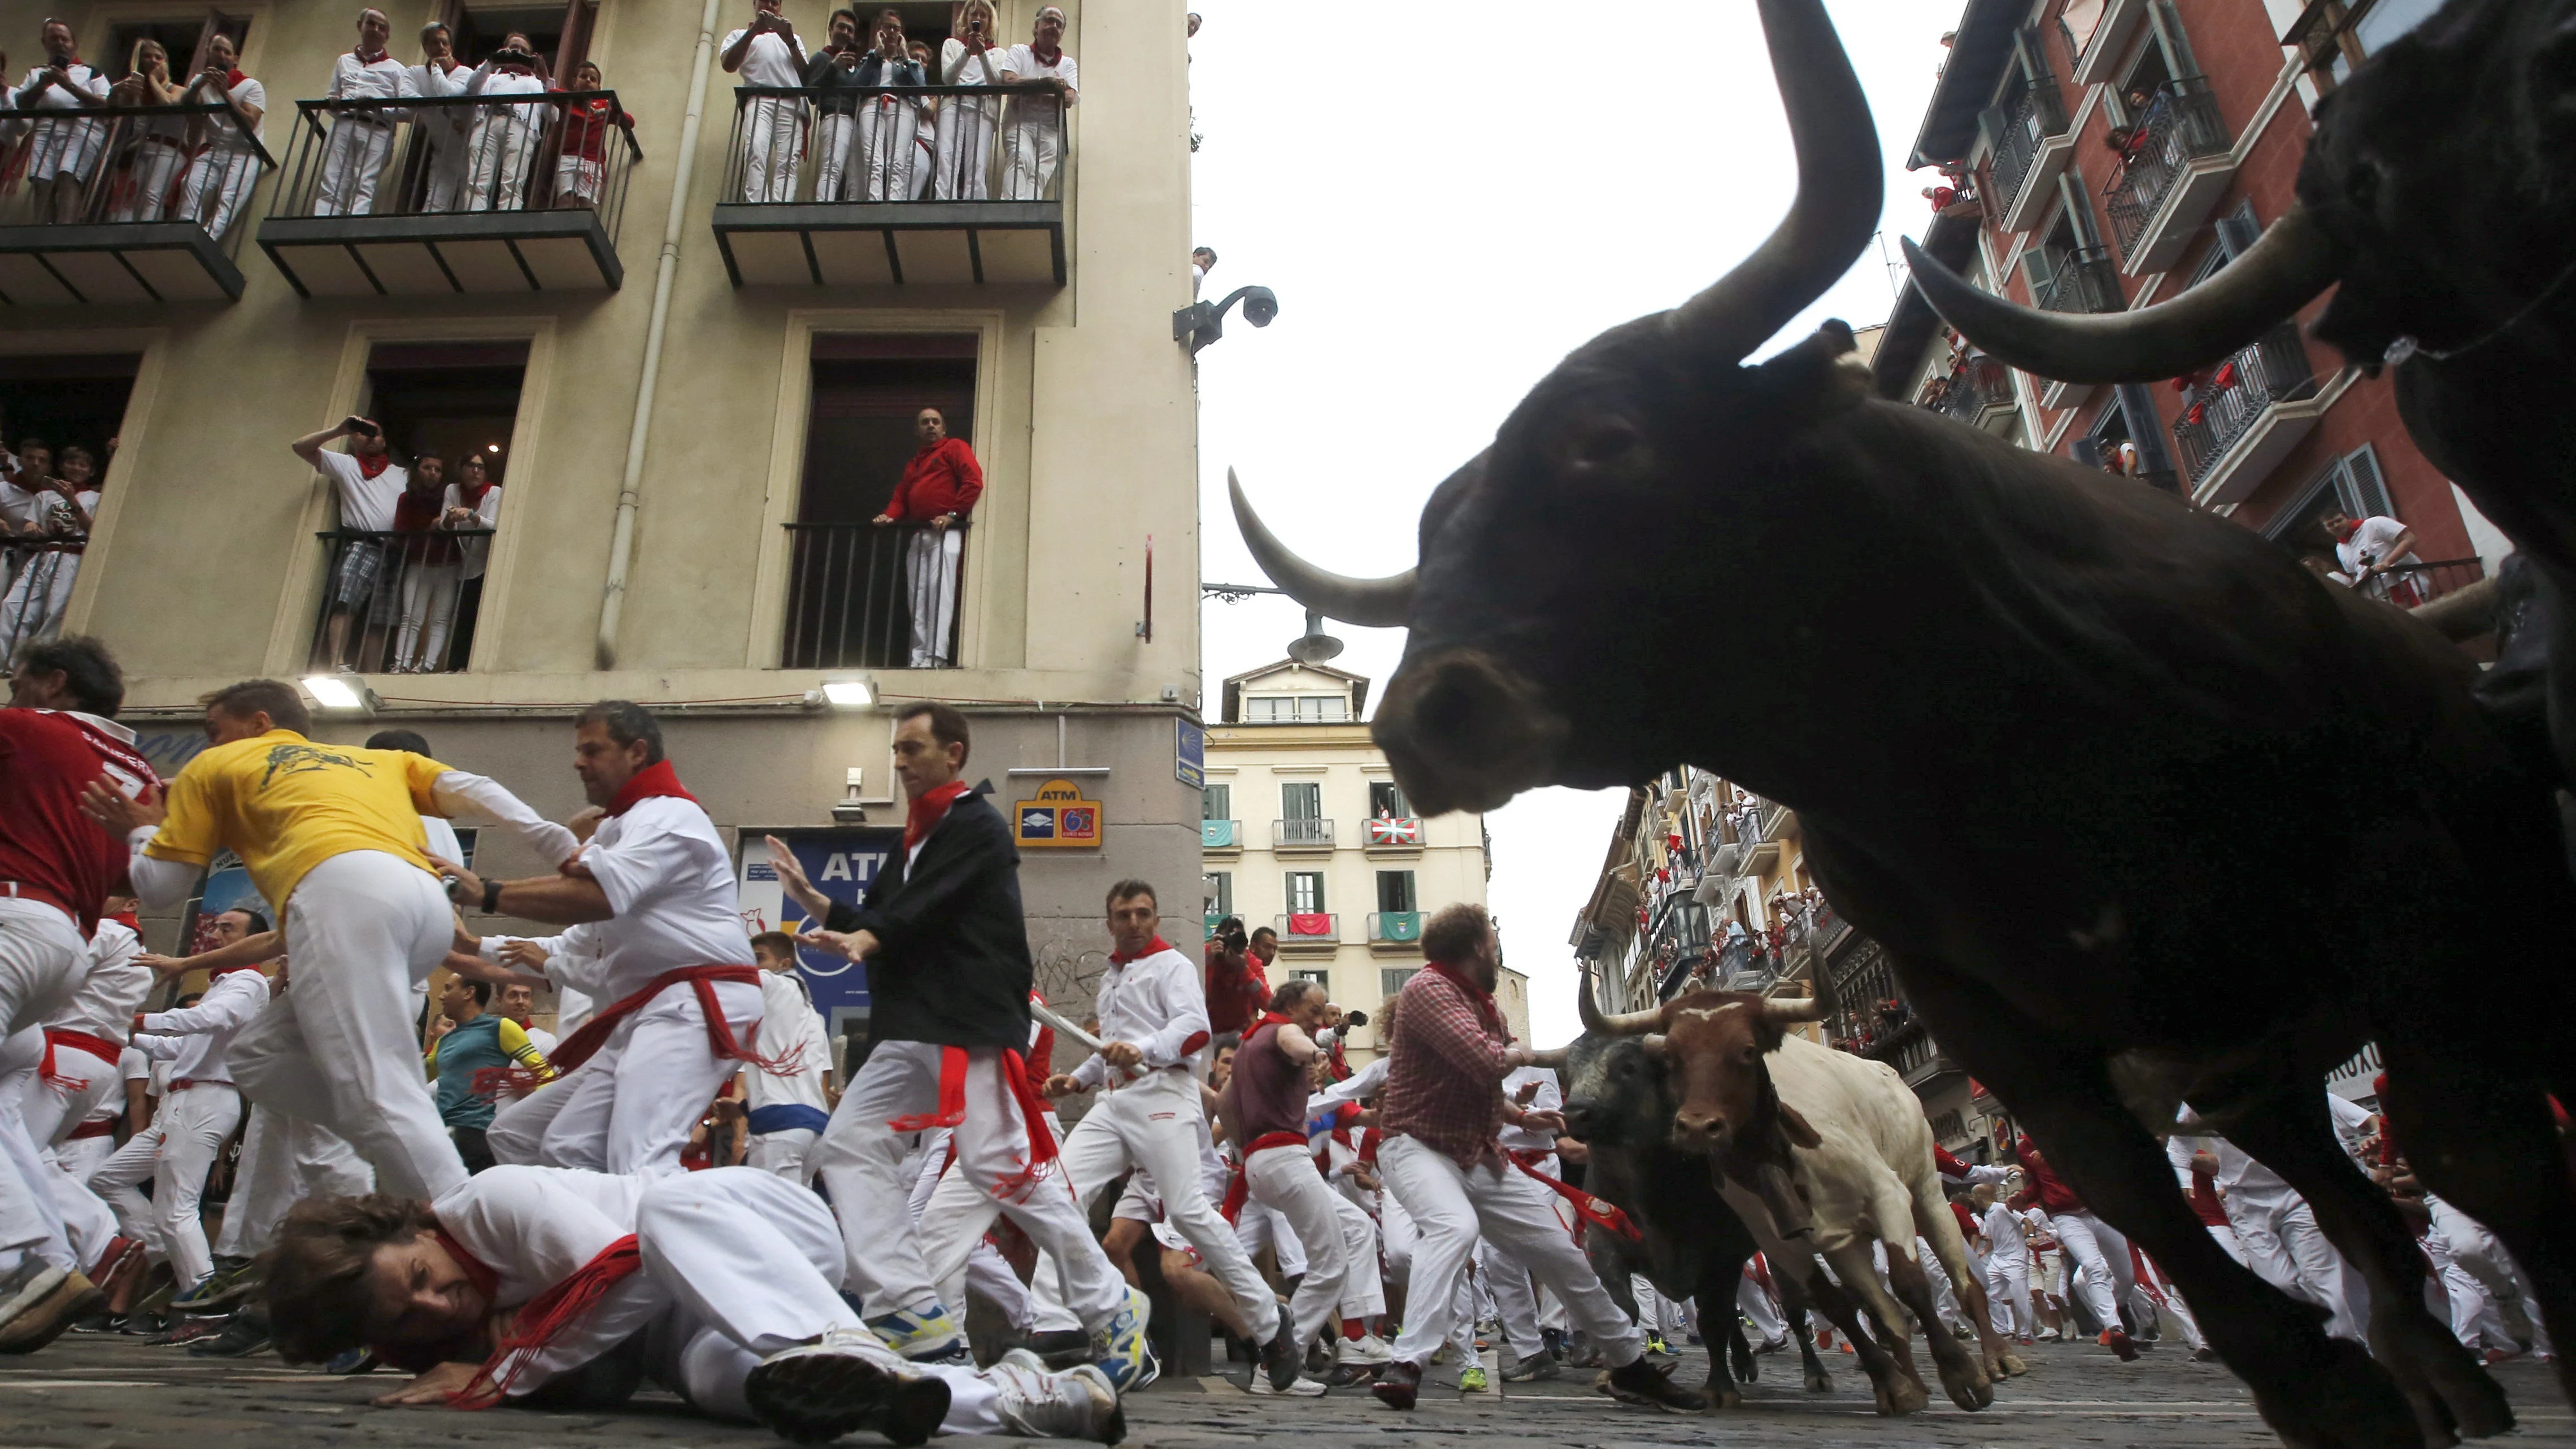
<point>1395,831</point>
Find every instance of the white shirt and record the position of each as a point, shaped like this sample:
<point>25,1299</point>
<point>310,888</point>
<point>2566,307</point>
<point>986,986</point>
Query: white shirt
<point>1155,1003</point>
<point>2369,544</point>
<point>2349,1120</point>
<point>83,78</point>
<point>193,1040</point>
<point>771,61</point>
<point>544,1039</point>
<point>790,1029</point>
<point>224,133</point>
<point>109,993</point>
<point>1360,1085</point>
<point>489,82</point>
<point>366,504</point>
<point>385,80</point>
<point>670,881</point>
<point>2238,1172</point>
<point>1549,1099</point>
<point>487,514</point>
<point>1046,110</point>
<point>536,1226</point>
<point>964,68</point>
<point>58,519</point>
<point>2004,1239</point>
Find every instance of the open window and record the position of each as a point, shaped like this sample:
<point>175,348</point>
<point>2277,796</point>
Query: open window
<point>852,600</point>
<point>560,33</point>
<point>74,406</point>
<point>182,39</point>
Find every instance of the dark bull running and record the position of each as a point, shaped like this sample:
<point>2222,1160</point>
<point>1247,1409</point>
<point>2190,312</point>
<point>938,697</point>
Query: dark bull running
<point>1996,668</point>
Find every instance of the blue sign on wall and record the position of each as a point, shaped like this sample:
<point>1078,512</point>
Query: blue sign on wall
<point>842,864</point>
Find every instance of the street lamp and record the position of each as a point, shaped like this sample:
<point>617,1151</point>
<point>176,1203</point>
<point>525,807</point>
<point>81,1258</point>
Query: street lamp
<point>1201,323</point>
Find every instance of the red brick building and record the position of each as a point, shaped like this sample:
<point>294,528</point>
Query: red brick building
<point>2106,154</point>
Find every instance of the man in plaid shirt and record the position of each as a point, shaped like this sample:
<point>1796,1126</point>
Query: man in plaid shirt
<point>1448,1052</point>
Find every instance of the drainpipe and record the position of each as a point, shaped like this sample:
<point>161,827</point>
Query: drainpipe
<point>621,544</point>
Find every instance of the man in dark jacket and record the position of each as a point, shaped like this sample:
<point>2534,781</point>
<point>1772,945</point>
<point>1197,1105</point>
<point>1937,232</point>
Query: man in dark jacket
<point>864,136</point>
<point>947,950</point>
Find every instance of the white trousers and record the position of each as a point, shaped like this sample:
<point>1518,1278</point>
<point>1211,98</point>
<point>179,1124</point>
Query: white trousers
<point>42,957</point>
<point>1363,1287</point>
<point>835,139</point>
<point>2008,1295</point>
<point>1259,1226</point>
<point>150,180</point>
<point>861,1159</point>
<point>117,1182</point>
<point>338,1047</point>
<point>175,1153</point>
<point>214,187</point>
<point>1451,1206</point>
<point>883,159</point>
<point>1153,1124</point>
<point>1030,151</point>
<point>773,135</point>
<point>751,1264</point>
<point>1754,1302</point>
<point>2157,1297</point>
<point>2097,1249</point>
<point>496,167</point>
<point>964,147</point>
<point>630,1108</point>
<point>954,1217</point>
<point>2286,1248</point>
<point>283,1161</point>
<point>930,568</point>
<point>2476,1255</point>
<point>428,600</point>
<point>31,1215</point>
<point>32,611</point>
<point>353,161</point>
<point>450,154</point>
<point>1284,1178</point>
<point>51,1113</point>
<point>785,1152</point>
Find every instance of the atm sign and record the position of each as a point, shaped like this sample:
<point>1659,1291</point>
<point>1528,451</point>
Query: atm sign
<point>1058,817</point>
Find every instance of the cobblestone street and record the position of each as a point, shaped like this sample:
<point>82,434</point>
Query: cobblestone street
<point>88,1393</point>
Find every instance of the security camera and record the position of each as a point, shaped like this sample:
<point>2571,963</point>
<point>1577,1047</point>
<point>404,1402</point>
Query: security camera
<point>1260,305</point>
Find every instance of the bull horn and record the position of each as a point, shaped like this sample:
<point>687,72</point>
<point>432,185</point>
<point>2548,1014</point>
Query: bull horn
<point>1552,1058</point>
<point>1615,1023</point>
<point>1839,193</point>
<point>1654,1043</point>
<point>1370,603</point>
<point>1783,1013</point>
<point>2275,277</point>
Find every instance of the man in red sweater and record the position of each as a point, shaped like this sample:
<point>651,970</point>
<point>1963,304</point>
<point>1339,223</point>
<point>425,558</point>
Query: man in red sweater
<point>939,487</point>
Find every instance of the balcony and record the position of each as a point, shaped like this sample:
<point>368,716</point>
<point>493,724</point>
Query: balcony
<point>390,601</point>
<point>962,211</point>
<point>2095,51</point>
<point>1391,835</point>
<point>1290,837</point>
<point>1977,392</point>
<point>2412,586</point>
<point>2083,280</point>
<point>1394,928</point>
<point>849,600</point>
<point>1309,931</point>
<point>1221,835</point>
<point>2032,140</point>
<point>2242,417</point>
<point>525,197</point>
<point>154,220</point>
<point>2178,159</point>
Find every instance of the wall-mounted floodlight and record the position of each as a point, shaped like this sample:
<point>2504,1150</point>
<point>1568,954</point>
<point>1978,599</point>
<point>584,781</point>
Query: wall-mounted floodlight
<point>849,693</point>
<point>341,693</point>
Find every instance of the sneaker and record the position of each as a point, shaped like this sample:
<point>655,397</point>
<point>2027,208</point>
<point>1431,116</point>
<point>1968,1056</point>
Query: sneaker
<point>1471,1379</point>
<point>95,1323</point>
<point>2118,1342</point>
<point>184,1330</point>
<point>1062,1348</point>
<point>218,1290</point>
<point>1300,1387</point>
<point>353,1361</point>
<point>1774,1345</point>
<point>1079,1403</point>
<point>37,1320</point>
<point>1346,1374</point>
<point>1368,1348</point>
<point>1554,1338</point>
<point>1281,1358</point>
<point>244,1334</point>
<point>1540,1365</point>
<point>33,1282</point>
<point>924,1331</point>
<point>1399,1385</point>
<point>1122,1350</point>
<point>1655,1344</point>
<point>1651,1385</point>
<point>842,1382</point>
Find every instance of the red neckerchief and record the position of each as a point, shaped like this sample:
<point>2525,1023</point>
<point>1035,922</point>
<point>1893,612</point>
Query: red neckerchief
<point>126,919</point>
<point>655,779</point>
<point>233,78</point>
<point>365,59</point>
<point>1485,1008</point>
<point>1152,948</point>
<point>2346,535</point>
<point>928,809</point>
<point>371,464</point>
<point>221,972</point>
<point>1045,59</point>
<point>474,499</point>
<point>1268,1018</point>
<point>477,1272</point>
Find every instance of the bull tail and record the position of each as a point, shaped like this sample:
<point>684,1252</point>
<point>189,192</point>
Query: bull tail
<point>1739,1352</point>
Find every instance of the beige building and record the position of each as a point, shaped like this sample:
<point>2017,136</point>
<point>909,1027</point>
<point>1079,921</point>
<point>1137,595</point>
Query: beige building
<point>1306,832</point>
<point>696,389</point>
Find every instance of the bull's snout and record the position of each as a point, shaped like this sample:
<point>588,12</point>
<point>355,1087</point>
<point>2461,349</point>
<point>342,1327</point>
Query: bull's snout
<point>1699,1129</point>
<point>1581,1119</point>
<point>1465,732</point>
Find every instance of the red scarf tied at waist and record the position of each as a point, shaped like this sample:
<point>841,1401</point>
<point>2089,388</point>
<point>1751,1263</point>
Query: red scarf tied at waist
<point>1587,1208</point>
<point>654,781</point>
<point>927,809</point>
<point>1237,1188</point>
<point>58,1036</point>
<point>544,1319</point>
<point>578,1047</point>
<point>952,1111</point>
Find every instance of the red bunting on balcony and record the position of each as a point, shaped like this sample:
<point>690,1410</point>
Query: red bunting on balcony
<point>2198,411</point>
<point>2225,377</point>
<point>1309,923</point>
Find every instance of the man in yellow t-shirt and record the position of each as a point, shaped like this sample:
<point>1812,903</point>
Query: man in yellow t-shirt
<point>331,835</point>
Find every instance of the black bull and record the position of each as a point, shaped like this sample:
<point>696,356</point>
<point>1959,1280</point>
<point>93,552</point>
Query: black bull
<point>2140,810</point>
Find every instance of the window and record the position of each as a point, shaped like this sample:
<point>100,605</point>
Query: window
<point>1218,897</point>
<point>2385,20</point>
<point>1395,890</point>
<point>1391,979</point>
<point>1216,802</point>
<point>183,40</point>
<point>1301,800</point>
<point>1305,892</point>
<point>848,594</point>
<point>1287,708</point>
<point>413,609</point>
<point>561,33</point>
<point>2351,483</point>
<point>1387,802</point>
<point>1321,976</point>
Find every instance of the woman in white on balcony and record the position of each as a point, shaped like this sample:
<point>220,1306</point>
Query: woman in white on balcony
<point>32,612</point>
<point>442,128</point>
<point>223,151</point>
<point>505,137</point>
<point>61,152</point>
<point>966,123</point>
<point>156,146</point>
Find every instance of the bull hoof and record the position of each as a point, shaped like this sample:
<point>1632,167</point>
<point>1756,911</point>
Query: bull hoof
<point>1967,1385</point>
<point>2006,1365</point>
<point>2447,1389</point>
<point>1900,1396</point>
<point>2353,1404</point>
<point>1820,1382</point>
<point>1722,1396</point>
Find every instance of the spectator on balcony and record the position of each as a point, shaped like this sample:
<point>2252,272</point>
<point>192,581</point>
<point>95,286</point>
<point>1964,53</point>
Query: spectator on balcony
<point>156,146</point>
<point>925,128</point>
<point>1202,262</point>
<point>32,611</point>
<point>939,486</point>
<point>866,129</point>
<point>834,72</point>
<point>505,137</point>
<point>369,485</point>
<point>441,76</point>
<point>2373,551</point>
<point>582,170</point>
<point>966,123</point>
<point>223,151</point>
<point>61,152</point>
<point>767,53</point>
<point>430,563</point>
<point>477,510</point>
<point>362,129</point>
<point>1033,145</point>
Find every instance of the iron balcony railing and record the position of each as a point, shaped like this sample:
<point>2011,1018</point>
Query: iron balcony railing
<point>2033,115</point>
<point>1395,925</point>
<point>1309,927</point>
<point>894,144</point>
<point>2417,584</point>
<point>1221,834</point>
<point>863,596</point>
<point>2181,125</point>
<point>392,603</point>
<point>2227,401</point>
<point>36,575</point>
<point>134,164</point>
<point>460,156</point>
<point>1966,394</point>
<point>2086,280</point>
<point>1302,833</point>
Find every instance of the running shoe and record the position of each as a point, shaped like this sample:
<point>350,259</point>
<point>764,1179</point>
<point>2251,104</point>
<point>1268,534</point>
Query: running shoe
<point>2118,1342</point>
<point>845,1381</point>
<point>1399,1386</point>
<point>246,1333</point>
<point>1655,1344</point>
<point>923,1332</point>
<point>1122,1350</point>
<point>1079,1403</point>
<point>1368,1348</point>
<point>1281,1359</point>
<point>1300,1387</point>
<point>233,1280</point>
<point>1471,1379</point>
<point>38,1316</point>
<point>1540,1365</point>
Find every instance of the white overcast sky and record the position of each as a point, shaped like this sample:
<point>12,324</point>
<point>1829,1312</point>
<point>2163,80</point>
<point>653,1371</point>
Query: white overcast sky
<point>1445,213</point>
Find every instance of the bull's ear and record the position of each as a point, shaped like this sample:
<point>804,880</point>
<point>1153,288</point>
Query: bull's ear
<point>1795,1126</point>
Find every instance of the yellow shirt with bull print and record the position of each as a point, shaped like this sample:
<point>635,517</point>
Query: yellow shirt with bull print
<point>285,805</point>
